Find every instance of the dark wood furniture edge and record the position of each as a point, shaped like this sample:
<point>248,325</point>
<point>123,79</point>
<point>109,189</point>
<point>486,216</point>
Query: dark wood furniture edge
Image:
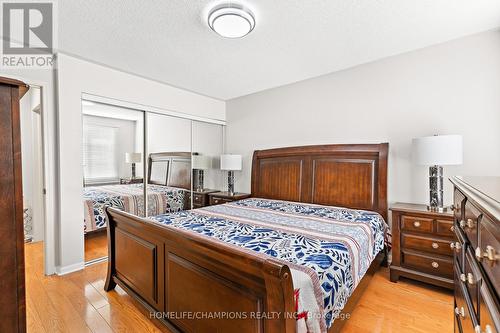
<point>23,87</point>
<point>398,271</point>
<point>270,275</point>
<point>397,208</point>
<point>13,273</point>
<point>487,204</point>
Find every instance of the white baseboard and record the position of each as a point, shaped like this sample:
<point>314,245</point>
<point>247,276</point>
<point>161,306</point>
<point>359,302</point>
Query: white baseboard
<point>63,270</point>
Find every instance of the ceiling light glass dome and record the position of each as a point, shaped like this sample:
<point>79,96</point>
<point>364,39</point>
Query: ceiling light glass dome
<point>231,21</point>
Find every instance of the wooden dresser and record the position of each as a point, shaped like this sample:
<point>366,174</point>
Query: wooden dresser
<point>477,254</point>
<point>12,299</point>
<point>421,244</point>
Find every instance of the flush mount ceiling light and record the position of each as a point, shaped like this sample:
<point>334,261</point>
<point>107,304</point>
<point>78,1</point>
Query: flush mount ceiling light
<point>231,20</point>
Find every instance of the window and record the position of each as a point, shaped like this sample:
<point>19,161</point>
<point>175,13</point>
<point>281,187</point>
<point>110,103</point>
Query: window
<point>100,164</point>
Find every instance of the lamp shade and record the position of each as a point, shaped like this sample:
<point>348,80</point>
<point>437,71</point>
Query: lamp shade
<point>201,162</point>
<point>133,157</point>
<point>230,162</point>
<point>438,150</point>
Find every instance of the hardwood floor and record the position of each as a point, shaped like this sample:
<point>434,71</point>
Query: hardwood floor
<point>96,245</point>
<point>77,303</point>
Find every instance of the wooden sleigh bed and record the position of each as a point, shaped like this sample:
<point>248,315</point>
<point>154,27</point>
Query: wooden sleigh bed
<point>172,272</point>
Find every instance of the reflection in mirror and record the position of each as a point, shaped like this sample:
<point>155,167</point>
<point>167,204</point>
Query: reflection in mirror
<point>169,164</point>
<point>113,141</point>
<point>207,147</point>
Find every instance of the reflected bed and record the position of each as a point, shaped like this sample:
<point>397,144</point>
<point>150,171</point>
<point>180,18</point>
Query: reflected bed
<point>129,198</point>
<point>169,184</point>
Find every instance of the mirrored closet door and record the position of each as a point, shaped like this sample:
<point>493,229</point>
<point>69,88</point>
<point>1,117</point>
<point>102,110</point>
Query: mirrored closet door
<point>207,141</point>
<point>113,143</point>
<point>169,163</point>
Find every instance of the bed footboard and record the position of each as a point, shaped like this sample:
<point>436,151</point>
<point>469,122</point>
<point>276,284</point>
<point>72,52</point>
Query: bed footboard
<point>192,284</point>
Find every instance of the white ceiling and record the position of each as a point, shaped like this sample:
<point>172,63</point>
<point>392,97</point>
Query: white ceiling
<point>169,40</point>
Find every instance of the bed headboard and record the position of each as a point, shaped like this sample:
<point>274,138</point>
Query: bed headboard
<point>347,175</point>
<point>170,169</point>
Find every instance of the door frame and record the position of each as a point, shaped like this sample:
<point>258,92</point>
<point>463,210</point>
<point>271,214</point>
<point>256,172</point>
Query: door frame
<point>49,162</point>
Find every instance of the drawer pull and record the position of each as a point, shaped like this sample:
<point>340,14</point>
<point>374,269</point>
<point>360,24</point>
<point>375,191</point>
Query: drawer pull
<point>470,279</point>
<point>435,264</point>
<point>435,245</point>
<point>457,246</point>
<point>462,277</point>
<point>470,223</point>
<point>416,224</point>
<point>460,312</point>
<point>462,224</point>
<point>489,254</point>
<point>452,228</point>
<point>487,329</point>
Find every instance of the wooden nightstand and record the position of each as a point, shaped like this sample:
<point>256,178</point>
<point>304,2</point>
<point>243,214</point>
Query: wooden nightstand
<point>421,244</point>
<point>131,181</point>
<point>200,198</point>
<point>218,198</point>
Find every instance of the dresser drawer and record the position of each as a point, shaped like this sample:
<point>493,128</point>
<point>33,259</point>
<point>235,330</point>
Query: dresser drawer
<point>460,246</point>
<point>422,243</point>
<point>490,316</point>
<point>445,228</point>
<point>470,223</point>
<point>419,224</point>
<point>458,204</point>
<point>466,320</point>
<point>427,263</point>
<point>489,250</point>
<point>471,279</point>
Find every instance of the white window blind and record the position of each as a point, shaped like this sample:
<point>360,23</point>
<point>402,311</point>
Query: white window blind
<point>100,162</point>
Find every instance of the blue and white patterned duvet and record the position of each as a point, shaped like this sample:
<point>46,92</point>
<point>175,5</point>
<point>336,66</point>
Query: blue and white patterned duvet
<point>335,246</point>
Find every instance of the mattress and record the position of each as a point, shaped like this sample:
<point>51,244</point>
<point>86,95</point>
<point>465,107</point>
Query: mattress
<point>129,198</point>
<point>328,249</point>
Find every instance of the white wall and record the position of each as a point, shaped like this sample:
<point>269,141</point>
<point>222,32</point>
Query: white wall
<point>452,88</point>
<point>168,134</point>
<point>76,77</point>
<point>208,140</point>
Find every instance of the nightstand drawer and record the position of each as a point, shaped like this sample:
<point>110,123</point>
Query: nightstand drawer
<point>428,263</point>
<point>445,228</point>
<point>432,245</point>
<point>413,223</point>
<point>198,198</point>
<point>218,201</point>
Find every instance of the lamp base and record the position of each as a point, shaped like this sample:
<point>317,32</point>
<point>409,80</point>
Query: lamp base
<point>435,188</point>
<point>437,209</point>
<point>230,182</point>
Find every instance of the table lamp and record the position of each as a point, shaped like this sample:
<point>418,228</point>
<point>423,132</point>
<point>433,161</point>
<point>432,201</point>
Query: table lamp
<point>199,164</point>
<point>133,158</point>
<point>436,151</point>
<point>230,163</point>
